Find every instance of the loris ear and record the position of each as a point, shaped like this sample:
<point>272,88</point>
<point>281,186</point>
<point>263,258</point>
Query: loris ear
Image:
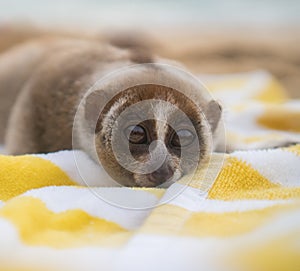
<point>213,113</point>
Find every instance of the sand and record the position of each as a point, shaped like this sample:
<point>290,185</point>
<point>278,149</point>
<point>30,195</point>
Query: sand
<point>235,50</point>
<point>201,49</point>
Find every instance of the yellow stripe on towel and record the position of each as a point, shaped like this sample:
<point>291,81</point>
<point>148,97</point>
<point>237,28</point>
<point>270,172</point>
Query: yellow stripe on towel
<point>178,221</point>
<point>232,223</point>
<point>19,174</point>
<point>37,225</point>
<point>238,180</point>
<point>276,255</point>
<point>272,93</point>
<point>282,119</point>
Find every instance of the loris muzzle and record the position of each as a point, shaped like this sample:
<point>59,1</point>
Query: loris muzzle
<point>147,129</point>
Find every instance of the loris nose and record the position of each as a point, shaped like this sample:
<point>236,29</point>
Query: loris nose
<point>164,173</point>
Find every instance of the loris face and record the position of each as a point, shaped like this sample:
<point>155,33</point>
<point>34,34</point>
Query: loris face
<point>149,135</point>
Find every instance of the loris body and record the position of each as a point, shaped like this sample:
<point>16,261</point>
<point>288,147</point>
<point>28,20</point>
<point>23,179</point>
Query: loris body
<point>43,82</point>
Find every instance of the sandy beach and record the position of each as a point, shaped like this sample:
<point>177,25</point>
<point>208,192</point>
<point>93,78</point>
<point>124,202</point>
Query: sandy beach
<point>229,51</point>
<point>201,50</point>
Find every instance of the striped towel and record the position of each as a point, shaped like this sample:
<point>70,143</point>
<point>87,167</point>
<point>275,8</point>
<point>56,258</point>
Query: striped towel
<point>243,216</point>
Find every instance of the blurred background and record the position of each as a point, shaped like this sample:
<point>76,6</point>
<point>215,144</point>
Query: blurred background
<point>207,36</point>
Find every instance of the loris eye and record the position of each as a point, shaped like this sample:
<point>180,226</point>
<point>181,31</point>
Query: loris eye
<point>136,134</point>
<point>182,138</point>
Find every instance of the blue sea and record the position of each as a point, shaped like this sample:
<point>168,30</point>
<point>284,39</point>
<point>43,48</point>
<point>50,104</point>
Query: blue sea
<point>152,13</point>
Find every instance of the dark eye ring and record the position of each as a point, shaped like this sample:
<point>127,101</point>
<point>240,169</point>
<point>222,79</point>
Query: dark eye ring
<point>182,138</point>
<point>136,134</point>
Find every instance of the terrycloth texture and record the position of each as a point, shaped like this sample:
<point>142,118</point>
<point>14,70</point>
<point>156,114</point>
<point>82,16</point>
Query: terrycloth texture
<point>248,219</point>
<point>258,112</point>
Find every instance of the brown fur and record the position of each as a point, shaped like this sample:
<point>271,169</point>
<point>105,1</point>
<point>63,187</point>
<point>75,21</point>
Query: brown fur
<point>47,71</point>
<point>42,83</point>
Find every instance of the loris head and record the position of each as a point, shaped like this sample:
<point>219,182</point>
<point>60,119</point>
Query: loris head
<point>150,134</point>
